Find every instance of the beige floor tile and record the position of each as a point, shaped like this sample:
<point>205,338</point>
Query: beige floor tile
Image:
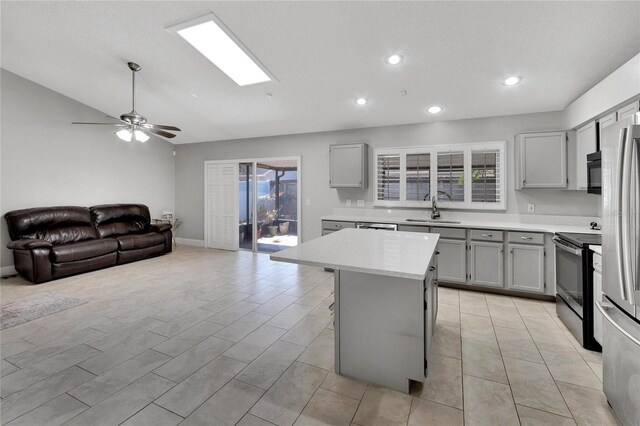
<point>566,365</point>
<point>499,300</point>
<point>276,305</point>
<point>383,406</point>
<point>428,413</point>
<point>251,420</point>
<point>475,304</point>
<point>477,327</point>
<point>308,329</point>
<point>488,403</point>
<point>285,400</point>
<point>290,316</point>
<point>10,348</point>
<point>588,406</point>
<point>444,381</point>
<point>124,403</point>
<point>328,408</point>
<point>597,369</point>
<point>448,296</point>
<point>53,413</point>
<point>153,415</point>
<point>233,313</point>
<point>185,364</point>
<point>185,397</point>
<point>448,315</point>
<point>227,406</point>
<point>446,341</point>
<point>268,367</point>
<point>533,386</point>
<point>518,344</point>
<point>182,323</point>
<point>105,385</point>
<point>7,368</point>
<point>344,385</point>
<point>321,352</point>
<point>242,327</point>
<point>482,359</point>
<point>505,316</point>
<point>532,417</point>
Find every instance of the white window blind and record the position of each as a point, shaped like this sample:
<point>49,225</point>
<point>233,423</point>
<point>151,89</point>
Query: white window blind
<point>488,176</point>
<point>418,176</point>
<point>451,176</point>
<point>387,176</point>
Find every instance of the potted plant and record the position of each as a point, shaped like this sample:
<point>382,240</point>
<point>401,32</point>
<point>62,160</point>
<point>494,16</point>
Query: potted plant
<point>270,218</point>
<point>284,227</point>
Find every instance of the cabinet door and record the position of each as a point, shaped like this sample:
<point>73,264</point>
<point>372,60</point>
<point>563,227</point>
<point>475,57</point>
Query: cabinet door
<point>543,160</point>
<point>348,166</point>
<point>585,144</point>
<point>486,264</point>
<point>606,121</point>
<point>597,316</point>
<point>629,110</point>
<point>452,262</point>
<point>526,268</point>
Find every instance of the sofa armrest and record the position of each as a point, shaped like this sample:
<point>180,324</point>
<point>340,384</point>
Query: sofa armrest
<point>160,227</point>
<point>28,244</point>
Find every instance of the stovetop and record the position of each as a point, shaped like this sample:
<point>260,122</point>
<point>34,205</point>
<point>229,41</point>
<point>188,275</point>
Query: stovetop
<point>581,239</point>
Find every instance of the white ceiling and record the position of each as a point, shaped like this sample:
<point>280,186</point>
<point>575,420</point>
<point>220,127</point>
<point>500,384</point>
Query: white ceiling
<point>324,55</point>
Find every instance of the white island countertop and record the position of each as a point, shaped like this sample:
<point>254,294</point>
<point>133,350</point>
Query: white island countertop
<point>390,253</point>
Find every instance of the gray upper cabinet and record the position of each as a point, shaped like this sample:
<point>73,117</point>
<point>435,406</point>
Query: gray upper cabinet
<point>349,165</point>
<point>586,137</point>
<point>628,110</point>
<point>541,160</point>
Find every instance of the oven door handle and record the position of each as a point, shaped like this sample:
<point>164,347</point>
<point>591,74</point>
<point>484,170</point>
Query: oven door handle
<point>559,244</point>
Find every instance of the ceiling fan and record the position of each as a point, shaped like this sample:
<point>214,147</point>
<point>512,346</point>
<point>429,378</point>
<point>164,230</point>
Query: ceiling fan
<point>133,125</point>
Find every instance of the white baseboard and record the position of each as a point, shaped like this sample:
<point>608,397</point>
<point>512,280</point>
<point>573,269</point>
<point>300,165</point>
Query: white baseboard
<point>8,270</point>
<point>189,242</point>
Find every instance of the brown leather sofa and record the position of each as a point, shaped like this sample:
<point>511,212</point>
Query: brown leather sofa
<point>55,242</point>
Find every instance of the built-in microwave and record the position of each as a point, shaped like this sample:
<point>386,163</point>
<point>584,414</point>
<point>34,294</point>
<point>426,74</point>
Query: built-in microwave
<point>594,173</point>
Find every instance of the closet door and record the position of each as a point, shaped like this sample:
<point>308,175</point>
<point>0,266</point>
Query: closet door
<point>221,206</point>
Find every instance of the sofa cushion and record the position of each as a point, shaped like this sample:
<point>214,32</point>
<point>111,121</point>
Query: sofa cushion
<point>139,241</point>
<point>56,225</point>
<point>120,219</point>
<point>83,250</point>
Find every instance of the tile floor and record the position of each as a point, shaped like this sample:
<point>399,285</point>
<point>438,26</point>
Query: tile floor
<point>209,337</point>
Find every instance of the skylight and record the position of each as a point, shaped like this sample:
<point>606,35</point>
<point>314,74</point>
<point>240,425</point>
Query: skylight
<point>219,47</point>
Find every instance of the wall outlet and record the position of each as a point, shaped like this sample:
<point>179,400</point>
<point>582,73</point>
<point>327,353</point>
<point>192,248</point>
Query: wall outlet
<point>307,202</point>
<point>348,203</point>
<point>360,203</point>
<point>531,208</point>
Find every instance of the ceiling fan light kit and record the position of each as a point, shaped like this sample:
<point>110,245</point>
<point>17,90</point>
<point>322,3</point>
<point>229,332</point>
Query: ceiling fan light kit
<point>135,126</point>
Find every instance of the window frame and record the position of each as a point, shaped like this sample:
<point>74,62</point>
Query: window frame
<point>433,150</point>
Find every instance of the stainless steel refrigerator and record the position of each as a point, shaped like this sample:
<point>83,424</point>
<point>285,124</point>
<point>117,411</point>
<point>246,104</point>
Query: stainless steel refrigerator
<point>620,146</point>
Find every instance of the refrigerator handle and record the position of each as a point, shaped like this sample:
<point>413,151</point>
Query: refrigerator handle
<point>603,307</point>
<point>635,282</point>
<point>627,210</point>
<point>619,223</point>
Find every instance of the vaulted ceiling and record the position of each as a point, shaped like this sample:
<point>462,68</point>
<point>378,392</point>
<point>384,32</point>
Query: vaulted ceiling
<point>324,55</point>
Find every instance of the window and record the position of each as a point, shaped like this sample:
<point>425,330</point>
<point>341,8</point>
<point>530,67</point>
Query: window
<point>388,177</point>
<point>467,176</point>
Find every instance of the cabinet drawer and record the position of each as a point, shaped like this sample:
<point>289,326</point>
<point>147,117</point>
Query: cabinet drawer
<point>486,235</point>
<point>455,233</point>
<point>597,263</point>
<point>413,228</point>
<point>335,225</point>
<point>526,238</point>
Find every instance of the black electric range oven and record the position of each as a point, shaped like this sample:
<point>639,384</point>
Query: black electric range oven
<point>574,284</point>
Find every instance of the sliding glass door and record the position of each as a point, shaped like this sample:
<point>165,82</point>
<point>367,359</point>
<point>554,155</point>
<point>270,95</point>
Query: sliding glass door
<point>245,206</point>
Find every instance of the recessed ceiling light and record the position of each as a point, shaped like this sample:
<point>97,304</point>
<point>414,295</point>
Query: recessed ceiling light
<point>511,81</point>
<point>394,59</point>
<point>209,37</point>
<point>434,109</point>
<point>361,101</point>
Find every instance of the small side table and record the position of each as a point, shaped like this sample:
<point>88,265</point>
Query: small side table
<point>175,224</point>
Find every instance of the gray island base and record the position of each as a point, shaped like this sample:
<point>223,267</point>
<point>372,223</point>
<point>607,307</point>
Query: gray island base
<point>385,301</point>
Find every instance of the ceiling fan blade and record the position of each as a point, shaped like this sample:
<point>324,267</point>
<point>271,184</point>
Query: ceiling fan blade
<point>105,124</point>
<point>160,133</point>
<point>161,126</point>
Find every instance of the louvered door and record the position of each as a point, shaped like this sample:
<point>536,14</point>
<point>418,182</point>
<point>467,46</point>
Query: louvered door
<point>221,206</point>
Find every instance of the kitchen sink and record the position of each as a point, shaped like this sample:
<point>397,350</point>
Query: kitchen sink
<point>432,220</point>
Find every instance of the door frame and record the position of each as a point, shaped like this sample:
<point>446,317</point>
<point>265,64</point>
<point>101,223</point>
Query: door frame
<point>254,225</point>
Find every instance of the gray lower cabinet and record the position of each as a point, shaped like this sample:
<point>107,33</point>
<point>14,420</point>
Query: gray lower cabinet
<point>452,261</point>
<point>525,268</point>
<point>486,265</point>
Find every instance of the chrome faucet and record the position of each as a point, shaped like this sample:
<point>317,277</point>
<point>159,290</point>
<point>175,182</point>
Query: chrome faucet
<point>435,213</point>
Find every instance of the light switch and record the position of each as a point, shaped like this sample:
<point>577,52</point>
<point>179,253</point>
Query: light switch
<point>531,208</point>
<point>360,203</point>
<point>348,203</point>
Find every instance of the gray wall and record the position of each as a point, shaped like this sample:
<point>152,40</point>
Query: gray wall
<point>314,152</point>
<point>46,161</point>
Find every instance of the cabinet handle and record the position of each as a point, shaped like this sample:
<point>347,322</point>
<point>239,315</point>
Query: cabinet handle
<point>487,235</point>
<point>432,268</point>
<point>437,252</point>
<point>527,238</point>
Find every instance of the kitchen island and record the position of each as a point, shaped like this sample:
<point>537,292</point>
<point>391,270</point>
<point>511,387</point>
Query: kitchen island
<point>385,301</point>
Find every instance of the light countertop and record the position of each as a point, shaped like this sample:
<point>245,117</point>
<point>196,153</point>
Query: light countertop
<point>395,254</point>
<point>470,223</point>
<point>596,249</point>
